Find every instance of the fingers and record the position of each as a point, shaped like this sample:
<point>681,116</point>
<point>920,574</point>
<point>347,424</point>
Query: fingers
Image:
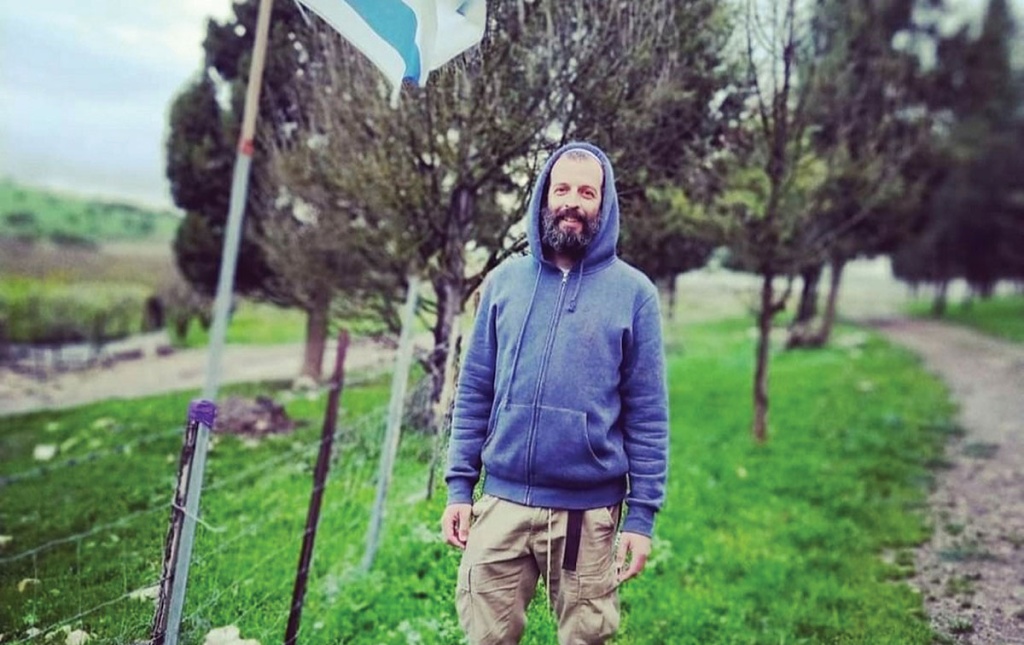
<point>463,512</point>
<point>455,524</point>
<point>620,556</point>
<point>638,548</point>
<point>636,565</point>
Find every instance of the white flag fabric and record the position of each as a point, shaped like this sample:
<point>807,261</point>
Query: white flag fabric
<point>406,39</point>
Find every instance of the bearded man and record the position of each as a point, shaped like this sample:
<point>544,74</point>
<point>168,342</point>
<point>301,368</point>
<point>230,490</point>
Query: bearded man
<point>562,407</point>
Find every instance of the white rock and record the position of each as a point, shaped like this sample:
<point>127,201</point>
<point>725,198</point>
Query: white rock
<point>44,452</point>
<point>222,635</point>
<point>77,637</point>
<point>146,593</point>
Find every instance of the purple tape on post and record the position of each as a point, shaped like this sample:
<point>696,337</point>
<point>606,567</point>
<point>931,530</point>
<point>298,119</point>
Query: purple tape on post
<point>203,411</point>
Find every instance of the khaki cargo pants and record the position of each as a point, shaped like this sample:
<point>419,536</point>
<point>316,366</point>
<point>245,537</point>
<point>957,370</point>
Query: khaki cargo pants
<point>510,546</point>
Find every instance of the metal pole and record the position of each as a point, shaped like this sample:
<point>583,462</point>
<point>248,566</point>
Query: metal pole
<point>390,447</point>
<point>323,462</point>
<point>221,309</point>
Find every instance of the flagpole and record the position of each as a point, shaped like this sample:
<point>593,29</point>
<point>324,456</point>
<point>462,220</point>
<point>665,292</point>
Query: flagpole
<point>221,309</point>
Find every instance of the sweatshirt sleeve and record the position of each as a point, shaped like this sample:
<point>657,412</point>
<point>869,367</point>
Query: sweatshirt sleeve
<point>645,418</point>
<point>473,402</point>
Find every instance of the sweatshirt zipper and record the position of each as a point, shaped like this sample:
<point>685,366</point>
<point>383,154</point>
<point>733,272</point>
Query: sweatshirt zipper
<point>531,438</point>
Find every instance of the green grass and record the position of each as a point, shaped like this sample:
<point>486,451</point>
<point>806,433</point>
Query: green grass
<point>780,543</point>
<point>255,323</point>
<point>1001,316</point>
<point>33,214</point>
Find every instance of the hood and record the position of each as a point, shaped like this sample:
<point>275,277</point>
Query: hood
<point>602,249</point>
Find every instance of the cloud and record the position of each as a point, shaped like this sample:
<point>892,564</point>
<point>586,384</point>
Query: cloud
<point>85,88</point>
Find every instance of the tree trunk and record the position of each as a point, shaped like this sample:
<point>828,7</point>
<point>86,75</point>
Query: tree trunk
<point>764,327</point>
<point>829,320</point>
<point>317,317</point>
<point>808,307</point>
<point>800,330</point>
<point>449,308</point>
<point>450,286</point>
<point>939,304</point>
<point>670,290</point>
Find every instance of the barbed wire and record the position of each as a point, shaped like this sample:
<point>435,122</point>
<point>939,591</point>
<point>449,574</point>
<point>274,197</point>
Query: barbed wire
<point>348,435</point>
<point>49,631</point>
<point>363,421</point>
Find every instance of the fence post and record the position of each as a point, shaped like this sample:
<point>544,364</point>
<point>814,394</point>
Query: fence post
<point>323,462</point>
<point>389,449</point>
<point>221,306</point>
<point>200,412</point>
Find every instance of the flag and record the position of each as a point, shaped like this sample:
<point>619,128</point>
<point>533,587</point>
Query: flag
<point>406,39</point>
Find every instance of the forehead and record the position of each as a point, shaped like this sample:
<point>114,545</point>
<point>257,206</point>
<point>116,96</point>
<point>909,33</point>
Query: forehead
<point>577,172</point>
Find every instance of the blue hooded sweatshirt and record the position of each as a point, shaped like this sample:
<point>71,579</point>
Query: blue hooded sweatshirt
<point>562,398</point>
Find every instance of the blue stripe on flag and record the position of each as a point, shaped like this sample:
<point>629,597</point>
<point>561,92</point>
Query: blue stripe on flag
<point>395,22</point>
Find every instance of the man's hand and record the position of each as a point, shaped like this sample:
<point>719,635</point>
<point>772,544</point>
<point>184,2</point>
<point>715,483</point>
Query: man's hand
<point>455,524</point>
<point>638,547</point>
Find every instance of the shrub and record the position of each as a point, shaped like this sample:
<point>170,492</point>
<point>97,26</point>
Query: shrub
<point>39,312</point>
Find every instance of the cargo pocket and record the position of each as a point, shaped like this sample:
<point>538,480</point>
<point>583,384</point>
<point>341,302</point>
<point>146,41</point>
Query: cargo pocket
<point>587,607</point>
<point>486,598</point>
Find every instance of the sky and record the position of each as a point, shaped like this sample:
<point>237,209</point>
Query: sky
<point>86,85</point>
<point>85,90</point>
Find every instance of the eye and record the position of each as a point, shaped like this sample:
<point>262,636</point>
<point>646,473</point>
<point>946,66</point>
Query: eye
<point>560,190</point>
<point>588,194</point>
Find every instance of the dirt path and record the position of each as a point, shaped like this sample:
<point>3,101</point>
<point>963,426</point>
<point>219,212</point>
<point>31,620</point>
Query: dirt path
<point>182,370</point>
<point>972,570</point>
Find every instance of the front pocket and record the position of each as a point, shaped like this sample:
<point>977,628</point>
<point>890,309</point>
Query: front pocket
<point>504,451</point>
<point>563,456</point>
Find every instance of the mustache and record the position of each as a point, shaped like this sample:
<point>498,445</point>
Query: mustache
<point>566,212</point>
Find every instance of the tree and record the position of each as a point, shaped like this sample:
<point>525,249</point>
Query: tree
<point>770,172</point>
<point>660,121</point>
<point>869,126</point>
<point>974,219</point>
<point>439,185</point>
<point>201,153</point>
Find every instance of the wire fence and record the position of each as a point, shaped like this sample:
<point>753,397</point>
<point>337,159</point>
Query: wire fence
<point>93,566</point>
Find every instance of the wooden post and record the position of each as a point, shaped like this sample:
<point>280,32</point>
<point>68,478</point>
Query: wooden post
<point>199,413</point>
<point>323,462</point>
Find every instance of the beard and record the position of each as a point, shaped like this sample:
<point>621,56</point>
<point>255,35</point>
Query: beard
<point>571,243</point>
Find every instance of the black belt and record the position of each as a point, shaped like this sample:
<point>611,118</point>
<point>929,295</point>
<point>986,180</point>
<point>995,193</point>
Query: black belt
<point>573,533</point>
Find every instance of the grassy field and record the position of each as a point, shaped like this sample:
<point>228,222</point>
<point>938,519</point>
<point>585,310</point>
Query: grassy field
<point>1001,316</point>
<point>31,213</point>
<point>803,540</point>
<point>255,323</point>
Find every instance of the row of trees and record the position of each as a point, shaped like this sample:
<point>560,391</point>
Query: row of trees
<point>972,220</point>
<point>798,135</point>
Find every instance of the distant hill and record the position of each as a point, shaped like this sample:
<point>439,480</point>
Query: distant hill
<point>36,214</point>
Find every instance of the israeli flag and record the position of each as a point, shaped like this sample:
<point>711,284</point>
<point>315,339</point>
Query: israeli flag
<point>406,39</point>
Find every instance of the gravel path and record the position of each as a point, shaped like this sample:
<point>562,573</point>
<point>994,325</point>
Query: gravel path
<point>181,370</point>
<point>972,570</point>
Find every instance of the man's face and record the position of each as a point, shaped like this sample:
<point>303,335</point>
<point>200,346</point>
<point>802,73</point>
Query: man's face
<point>571,218</point>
